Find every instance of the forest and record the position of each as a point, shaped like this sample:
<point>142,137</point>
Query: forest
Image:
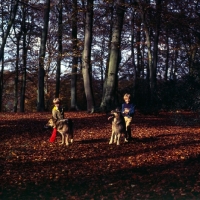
<point>89,53</point>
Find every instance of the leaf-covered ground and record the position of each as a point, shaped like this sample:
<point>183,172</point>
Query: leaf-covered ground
<point>161,162</point>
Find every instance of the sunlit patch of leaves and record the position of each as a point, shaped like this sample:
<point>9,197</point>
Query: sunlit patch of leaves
<point>160,162</point>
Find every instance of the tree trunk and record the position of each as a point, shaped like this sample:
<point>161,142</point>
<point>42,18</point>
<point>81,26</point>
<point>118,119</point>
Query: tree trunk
<point>107,62</point>
<point>150,65</point>
<point>153,78</point>
<point>176,51</point>
<point>24,60</point>
<point>75,57</point>
<point>4,39</point>
<point>1,81</point>
<point>2,67</point>
<point>191,59</point>
<point>109,98</point>
<point>150,75</point>
<point>41,72</point>
<point>133,56</point>
<point>16,74</point>
<point>10,23</point>
<point>167,56</point>
<point>86,57</point>
<point>60,30</point>
<point>139,69</point>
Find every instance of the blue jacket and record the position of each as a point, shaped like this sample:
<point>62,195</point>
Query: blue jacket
<point>130,107</point>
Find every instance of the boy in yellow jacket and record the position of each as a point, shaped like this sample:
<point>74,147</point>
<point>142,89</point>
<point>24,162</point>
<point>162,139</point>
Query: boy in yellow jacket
<point>57,114</point>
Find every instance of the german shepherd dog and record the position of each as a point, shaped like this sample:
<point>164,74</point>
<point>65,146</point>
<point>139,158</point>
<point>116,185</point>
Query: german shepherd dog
<point>64,127</point>
<point>118,126</point>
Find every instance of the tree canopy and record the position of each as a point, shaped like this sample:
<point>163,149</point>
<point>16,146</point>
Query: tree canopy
<point>154,55</point>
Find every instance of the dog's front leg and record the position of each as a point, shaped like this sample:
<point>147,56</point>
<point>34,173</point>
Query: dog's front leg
<point>63,138</point>
<point>112,137</point>
<point>67,139</point>
<point>118,138</point>
<point>71,137</point>
<point>115,138</point>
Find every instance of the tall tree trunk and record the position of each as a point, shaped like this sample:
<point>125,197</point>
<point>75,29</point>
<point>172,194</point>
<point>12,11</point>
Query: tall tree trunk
<point>86,57</point>
<point>167,56</point>
<point>133,55</point>
<point>16,74</point>
<point>1,82</point>
<point>153,79</point>
<point>108,100</point>
<point>24,60</point>
<point>174,76</point>
<point>191,59</point>
<point>139,69</point>
<point>150,65</point>
<point>150,75</point>
<point>75,57</point>
<point>102,62</point>
<point>10,23</point>
<point>4,39</point>
<point>60,31</point>
<point>2,67</point>
<point>41,71</point>
<point>109,44</point>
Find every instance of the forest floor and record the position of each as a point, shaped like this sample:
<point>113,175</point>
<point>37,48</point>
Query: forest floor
<point>162,161</point>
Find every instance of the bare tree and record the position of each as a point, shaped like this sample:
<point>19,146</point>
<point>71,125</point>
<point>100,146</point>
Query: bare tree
<point>24,59</point>
<point>18,37</point>
<point>153,71</point>
<point>75,57</point>
<point>111,10</point>
<point>86,57</point>
<point>59,59</point>
<point>41,72</point>
<point>108,100</point>
<point>10,23</point>
<point>4,39</point>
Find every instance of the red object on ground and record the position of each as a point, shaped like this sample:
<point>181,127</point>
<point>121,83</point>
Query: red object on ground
<point>53,135</point>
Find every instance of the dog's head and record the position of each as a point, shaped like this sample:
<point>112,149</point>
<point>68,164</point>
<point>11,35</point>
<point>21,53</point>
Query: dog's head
<point>116,112</point>
<point>50,123</point>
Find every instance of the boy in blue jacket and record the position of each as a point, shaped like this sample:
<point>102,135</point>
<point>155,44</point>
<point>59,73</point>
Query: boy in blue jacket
<point>128,110</point>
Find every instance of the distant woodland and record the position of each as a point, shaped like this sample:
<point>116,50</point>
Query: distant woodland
<point>90,52</point>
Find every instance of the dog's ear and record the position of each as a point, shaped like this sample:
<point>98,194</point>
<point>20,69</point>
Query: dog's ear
<point>117,110</point>
<point>113,111</point>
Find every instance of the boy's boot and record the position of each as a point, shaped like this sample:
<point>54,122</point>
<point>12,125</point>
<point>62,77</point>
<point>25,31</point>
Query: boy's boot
<point>53,135</point>
<point>126,136</point>
<point>128,133</point>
